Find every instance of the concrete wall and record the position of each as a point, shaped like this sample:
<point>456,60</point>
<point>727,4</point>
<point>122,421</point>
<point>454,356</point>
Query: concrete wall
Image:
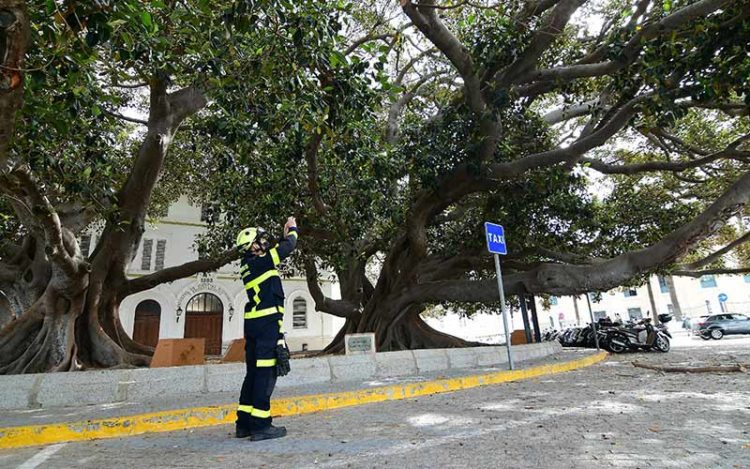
<point>142,385</point>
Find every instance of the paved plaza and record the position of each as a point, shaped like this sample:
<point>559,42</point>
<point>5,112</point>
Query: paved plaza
<point>608,415</point>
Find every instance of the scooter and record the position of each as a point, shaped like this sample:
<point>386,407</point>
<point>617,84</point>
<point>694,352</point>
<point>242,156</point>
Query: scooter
<point>643,336</point>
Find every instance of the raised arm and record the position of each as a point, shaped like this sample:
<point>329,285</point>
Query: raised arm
<point>286,245</point>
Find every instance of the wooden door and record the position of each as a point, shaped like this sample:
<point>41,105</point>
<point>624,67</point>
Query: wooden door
<point>204,317</point>
<point>147,319</point>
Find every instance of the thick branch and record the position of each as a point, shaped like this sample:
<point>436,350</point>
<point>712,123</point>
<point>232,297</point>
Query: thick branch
<point>570,112</point>
<point>428,22</point>
<point>543,38</point>
<point>628,54</point>
<point>311,157</point>
<point>177,272</point>
<point>391,133</point>
<point>184,103</point>
<point>738,367</point>
<point>649,166</point>
<point>717,254</point>
<point>607,274</point>
<point>340,308</point>
<point>537,8</point>
<point>569,154</point>
<point>48,219</point>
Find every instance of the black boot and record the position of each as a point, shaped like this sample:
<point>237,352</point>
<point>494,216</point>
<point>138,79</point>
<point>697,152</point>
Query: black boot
<point>241,432</point>
<point>268,433</point>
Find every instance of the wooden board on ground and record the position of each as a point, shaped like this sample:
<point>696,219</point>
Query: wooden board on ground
<point>517,337</point>
<point>235,352</point>
<point>179,352</point>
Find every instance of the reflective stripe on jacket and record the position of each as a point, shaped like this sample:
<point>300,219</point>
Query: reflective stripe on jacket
<point>262,282</point>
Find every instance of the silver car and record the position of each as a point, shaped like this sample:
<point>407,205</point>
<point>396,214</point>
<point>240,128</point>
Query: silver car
<point>717,326</point>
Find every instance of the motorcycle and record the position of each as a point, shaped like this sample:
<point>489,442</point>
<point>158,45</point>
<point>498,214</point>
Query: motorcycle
<point>642,336</point>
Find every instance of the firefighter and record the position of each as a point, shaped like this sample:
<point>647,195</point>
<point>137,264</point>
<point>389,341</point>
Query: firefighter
<point>266,353</point>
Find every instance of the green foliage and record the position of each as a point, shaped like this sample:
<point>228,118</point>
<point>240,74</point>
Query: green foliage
<point>278,78</point>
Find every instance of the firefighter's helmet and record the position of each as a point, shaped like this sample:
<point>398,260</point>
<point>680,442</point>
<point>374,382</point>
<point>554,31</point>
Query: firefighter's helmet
<point>246,237</point>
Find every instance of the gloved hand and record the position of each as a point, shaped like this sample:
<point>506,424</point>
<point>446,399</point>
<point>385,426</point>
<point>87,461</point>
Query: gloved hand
<point>282,360</point>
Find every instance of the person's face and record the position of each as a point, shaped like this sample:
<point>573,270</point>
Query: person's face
<point>256,249</point>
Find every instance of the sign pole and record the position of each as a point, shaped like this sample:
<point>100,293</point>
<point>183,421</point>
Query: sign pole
<point>504,310</point>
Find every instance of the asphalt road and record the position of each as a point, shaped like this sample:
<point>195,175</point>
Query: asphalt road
<point>608,415</point>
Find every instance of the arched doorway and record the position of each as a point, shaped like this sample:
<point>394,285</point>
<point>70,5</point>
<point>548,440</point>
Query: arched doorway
<point>147,318</point>
<point>204,317</point>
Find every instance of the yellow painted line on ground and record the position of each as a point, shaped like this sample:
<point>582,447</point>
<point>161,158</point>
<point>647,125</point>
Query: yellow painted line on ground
<point>181,419</point>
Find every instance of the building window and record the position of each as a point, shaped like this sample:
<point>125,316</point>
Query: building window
<point>747,278</point>
<point>635,314</point>
<point>708,281</point>
<point>670,309</point>
<point>148,245</point>
<point>161,247</point>
<point>205,303</point>
<point>553,300</point>
<point>630,292</point>
<point>299,313</point>
<point>663,285</point>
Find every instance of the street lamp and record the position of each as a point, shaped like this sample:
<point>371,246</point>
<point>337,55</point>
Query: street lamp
<point>179,313</point>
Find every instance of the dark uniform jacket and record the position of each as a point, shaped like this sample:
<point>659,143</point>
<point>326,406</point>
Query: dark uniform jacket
<point>262,282</point>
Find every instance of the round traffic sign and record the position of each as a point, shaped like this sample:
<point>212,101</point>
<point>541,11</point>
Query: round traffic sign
<point>723,297</point>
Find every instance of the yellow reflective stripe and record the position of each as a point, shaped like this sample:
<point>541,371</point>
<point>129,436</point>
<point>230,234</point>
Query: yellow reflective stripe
<point>281,326</point>
<point>263,312</point>
<point>266,363</point>
<point>293,233</point>
<point>261,414</point>
<point>256,298</point>
<point>275,256</point>
<point>262,278</point>
<point>245,408</point>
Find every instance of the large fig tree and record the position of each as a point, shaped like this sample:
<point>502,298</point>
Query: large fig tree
<point>610,138</point>
<point>94,100</point>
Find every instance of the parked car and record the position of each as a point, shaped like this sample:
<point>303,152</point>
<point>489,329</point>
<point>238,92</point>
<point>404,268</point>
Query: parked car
<point>718,325</point>
<point>694,324</point>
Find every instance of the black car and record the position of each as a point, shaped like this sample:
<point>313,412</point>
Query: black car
<point>718,325</point>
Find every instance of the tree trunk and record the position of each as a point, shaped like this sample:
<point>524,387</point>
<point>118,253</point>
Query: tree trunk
<point>72,325</point>
<point>397,325</point>
<point>654,313</point>
<point>674,299</point>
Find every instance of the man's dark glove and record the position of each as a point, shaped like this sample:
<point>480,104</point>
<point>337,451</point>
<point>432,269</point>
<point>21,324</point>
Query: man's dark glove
<point>282,360</point>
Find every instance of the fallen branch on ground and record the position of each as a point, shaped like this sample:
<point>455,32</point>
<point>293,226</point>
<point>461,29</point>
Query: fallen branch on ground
<point>738,367</point>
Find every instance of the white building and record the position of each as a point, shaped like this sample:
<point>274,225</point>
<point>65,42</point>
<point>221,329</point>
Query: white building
<point>209,306</point>
<point>696,296</point>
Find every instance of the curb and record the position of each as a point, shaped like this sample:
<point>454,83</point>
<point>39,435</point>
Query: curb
<point>181,419</point>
